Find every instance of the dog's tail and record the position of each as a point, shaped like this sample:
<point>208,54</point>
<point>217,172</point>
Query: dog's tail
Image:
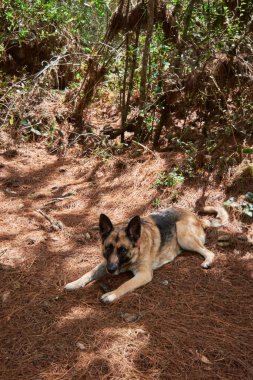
<point>221,217</point>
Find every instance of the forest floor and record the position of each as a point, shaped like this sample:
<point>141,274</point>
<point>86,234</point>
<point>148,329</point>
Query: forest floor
<point>187,323</point>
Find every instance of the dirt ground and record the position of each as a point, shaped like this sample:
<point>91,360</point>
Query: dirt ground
<point>187,323</point>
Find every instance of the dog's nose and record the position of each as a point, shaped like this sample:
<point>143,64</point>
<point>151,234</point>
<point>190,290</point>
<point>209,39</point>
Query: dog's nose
<point>111,267</point>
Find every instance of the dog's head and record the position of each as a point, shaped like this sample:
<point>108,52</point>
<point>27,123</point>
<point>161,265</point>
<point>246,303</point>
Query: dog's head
<point>120,243</point>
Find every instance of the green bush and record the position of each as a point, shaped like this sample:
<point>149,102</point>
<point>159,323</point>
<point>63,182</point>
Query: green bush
<point>22,18</point>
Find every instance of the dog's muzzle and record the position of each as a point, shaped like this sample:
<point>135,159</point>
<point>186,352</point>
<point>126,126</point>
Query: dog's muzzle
<point>111,267</point>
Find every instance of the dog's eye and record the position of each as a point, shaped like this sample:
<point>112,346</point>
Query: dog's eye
<point>108,250</point>
<point>122,250</point>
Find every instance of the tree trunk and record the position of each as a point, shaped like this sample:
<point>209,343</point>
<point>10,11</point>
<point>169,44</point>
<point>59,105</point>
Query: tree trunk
<point>165,115</point>
<point>123,98</point>
<point>145,56</point>
<point>95,74</point>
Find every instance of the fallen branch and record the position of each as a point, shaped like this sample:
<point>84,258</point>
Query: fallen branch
<point>144,147</point>
<point>56,224</point>
<point>53,201</point>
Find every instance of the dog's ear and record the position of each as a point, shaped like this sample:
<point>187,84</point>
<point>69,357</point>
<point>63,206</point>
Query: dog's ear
<point>105,226</point>
<point>133,229</point>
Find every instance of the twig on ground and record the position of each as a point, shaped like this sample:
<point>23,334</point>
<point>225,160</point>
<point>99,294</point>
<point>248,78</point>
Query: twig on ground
<point>144,147</point>
<point>53,201</point>
<point>3,252</point>
<point>56,224</point>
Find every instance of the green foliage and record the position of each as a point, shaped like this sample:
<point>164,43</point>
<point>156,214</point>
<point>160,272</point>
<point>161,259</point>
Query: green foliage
<point>171,179</point>
<point>244,206</point>
<point>207,32</point>
<point>191,151</point>
<point>156,202</point>
<point>48,17</point>
<point>202,53</point>
<point>247,150</point>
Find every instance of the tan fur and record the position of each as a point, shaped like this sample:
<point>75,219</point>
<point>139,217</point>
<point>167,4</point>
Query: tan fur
<point>148,254</point>
<point>221,216</point>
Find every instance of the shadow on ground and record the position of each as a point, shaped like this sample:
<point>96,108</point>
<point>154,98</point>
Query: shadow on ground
<point>187,323</point>
<point>197,322</point>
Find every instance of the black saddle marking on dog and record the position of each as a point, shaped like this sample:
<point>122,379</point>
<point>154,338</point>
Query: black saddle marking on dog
<point>166,223</point>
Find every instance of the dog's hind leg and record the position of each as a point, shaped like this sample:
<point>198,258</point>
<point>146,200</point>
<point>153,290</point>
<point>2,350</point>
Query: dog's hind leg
<point>208,255</point>
<point>95,274</point>
<point>191,237</point>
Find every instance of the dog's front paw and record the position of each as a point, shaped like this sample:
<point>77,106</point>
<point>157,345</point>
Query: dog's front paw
<point>74,285</point>
<point>108,297</point>
<point>206,265</point>
<point>70,286</point>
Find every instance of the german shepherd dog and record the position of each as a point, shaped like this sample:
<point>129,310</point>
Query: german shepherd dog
<point>145,244</point>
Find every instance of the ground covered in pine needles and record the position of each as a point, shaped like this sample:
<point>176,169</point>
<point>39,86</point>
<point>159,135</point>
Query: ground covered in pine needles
<point>187,323</point>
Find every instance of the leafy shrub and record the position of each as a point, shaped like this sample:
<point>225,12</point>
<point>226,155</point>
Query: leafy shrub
<point>171,179</point>
<point>20,18</point>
